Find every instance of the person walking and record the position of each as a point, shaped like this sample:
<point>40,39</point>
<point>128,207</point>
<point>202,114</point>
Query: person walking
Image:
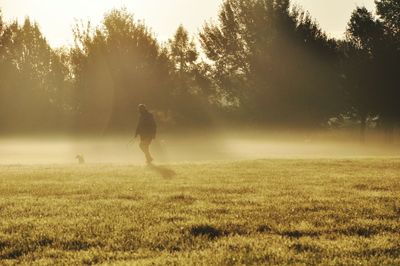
<point>146,129</point>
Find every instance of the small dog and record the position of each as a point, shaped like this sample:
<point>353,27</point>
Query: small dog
<point>80,158</point>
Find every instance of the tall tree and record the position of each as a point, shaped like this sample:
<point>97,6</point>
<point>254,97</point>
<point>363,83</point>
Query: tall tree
<point>388,12</point>
<point>273,62</point>
<point>117,66</point>
<point>373,64</point>
<point>191,90</point>
<point>361,71</point>
<point>182,51</point>
<point>30,98</point>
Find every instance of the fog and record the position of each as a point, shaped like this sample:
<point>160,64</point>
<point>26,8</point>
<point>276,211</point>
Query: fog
<point>173,148</point>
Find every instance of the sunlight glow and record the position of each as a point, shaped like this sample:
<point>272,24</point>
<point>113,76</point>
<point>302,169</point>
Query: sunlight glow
<point>57,18</point>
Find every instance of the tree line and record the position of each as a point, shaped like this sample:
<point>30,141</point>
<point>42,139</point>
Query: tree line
<point>263,62</point>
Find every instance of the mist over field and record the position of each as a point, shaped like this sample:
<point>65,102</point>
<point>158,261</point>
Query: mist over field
<point>193,147</point>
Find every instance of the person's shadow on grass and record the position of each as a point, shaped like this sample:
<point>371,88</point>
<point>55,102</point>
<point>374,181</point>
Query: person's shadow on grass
<point>163,171</point>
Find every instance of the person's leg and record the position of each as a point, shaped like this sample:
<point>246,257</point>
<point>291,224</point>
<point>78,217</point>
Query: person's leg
<point>144,146</point>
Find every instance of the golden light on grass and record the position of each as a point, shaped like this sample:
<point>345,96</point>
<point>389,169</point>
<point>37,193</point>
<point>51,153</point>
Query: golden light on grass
<point>253,212</point>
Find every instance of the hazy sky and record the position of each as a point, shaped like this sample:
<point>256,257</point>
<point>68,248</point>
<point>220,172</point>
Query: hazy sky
<point>56,17</point>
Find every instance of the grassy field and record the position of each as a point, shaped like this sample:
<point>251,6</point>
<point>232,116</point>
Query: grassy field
<point>330,212</point>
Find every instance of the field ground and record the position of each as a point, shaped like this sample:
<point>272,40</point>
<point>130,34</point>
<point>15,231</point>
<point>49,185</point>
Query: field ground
<point>281,211</point>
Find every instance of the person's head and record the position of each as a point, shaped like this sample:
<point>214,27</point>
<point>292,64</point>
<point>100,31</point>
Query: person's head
<point>142,108</point>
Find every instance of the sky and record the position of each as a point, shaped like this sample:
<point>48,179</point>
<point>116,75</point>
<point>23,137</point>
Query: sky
<point>57,17</point>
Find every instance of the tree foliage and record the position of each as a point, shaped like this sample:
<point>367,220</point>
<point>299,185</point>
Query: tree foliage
<point>256,46</point>
<point>192,87</point>
<point>33,79</point>
<point>117,66</point>
<point>263,62</point>
<point>373,63</point>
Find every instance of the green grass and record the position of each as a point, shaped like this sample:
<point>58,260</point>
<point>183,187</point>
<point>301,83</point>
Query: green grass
<point>330,212</point>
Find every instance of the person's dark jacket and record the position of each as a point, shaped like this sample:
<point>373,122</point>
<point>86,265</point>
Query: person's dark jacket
<point>146,127</point>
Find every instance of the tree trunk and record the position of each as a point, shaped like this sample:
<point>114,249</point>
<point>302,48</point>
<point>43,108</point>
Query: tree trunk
<point>389,131</point>
<point>363,127</point>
